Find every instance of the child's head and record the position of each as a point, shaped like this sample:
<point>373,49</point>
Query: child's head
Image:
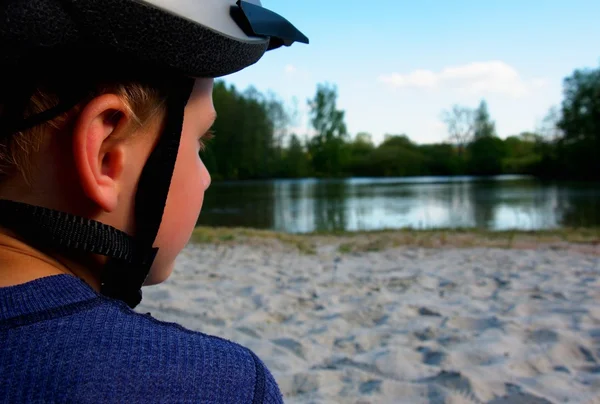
<point>99,150</point>
<point>88,161</point>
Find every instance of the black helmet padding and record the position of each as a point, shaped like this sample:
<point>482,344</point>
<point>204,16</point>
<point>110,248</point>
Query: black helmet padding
<point>130,28</point>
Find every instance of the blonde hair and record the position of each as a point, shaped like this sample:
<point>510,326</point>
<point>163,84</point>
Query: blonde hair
<point>144,102</point>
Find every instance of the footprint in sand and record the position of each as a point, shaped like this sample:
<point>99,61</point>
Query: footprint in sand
<point>370,387</point>
<point>431,357</point>
<point>474,323</point>
<point>292,345</point>
<point>516,395</point>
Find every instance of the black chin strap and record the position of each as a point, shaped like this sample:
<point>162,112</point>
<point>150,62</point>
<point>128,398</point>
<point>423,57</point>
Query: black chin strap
<point>130,258</point>
<point>56,230</point>
<point>122,280</point>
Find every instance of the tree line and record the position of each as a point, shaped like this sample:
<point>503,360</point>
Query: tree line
<point>252,140</point>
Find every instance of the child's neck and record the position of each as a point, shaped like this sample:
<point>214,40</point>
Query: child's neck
<point>21,263</point>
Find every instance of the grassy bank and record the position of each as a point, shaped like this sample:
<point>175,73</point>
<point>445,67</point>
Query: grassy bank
<point>366,241</point>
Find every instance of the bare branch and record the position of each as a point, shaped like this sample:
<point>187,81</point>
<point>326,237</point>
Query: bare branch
<point>460,122</point>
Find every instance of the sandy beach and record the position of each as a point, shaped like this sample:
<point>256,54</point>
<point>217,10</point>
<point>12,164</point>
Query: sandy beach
<point>345,322</point>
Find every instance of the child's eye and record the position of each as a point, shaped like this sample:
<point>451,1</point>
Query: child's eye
<point>202,140</point>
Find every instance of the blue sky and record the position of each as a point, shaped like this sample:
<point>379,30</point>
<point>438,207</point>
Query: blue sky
<point>398,64</point>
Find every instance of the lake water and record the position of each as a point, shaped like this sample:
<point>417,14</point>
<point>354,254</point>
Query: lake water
<point>498,203</point>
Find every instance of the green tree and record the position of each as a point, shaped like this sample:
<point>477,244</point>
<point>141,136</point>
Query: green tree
<point>397,156</point>
<point>522,155</point>
<point>547,146</point>
<point>226,102</point>
<point>486,155</point>
<point>548,127</point>
<point>327,147</point>
<point>246,142</point>
<point>401,141</point>
<point>579,148</point>
<point>486,152</point>
<point>359,151</point>
<point>442,159</point>
<point>295,163</point>
<point>364,141</point>
<point>255,136</point>
<point>483,126</point>
<point>252,139</point>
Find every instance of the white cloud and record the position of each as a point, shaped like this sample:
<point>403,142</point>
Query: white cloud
<point>539,83</point>
<point>493,77</point>
<point>290,69</point>
<point>418,78</point>
<point>437,126</point>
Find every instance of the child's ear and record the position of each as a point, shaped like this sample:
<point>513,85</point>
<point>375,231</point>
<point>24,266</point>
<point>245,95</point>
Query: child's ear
<point>99,159</point>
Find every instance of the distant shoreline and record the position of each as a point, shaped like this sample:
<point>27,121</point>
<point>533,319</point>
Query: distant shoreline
<point>585,240</point>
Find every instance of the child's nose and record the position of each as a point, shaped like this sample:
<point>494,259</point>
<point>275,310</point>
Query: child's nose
<point>206,178</point>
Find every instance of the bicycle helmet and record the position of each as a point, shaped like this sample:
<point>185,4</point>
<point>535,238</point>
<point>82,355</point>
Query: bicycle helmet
<point>170,41</point>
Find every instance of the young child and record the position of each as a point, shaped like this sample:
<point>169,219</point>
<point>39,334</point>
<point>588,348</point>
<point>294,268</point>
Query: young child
<point>104,106</point>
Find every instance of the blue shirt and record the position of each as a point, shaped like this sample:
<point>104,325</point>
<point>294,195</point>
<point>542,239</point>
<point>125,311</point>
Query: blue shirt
<point>62,342</point>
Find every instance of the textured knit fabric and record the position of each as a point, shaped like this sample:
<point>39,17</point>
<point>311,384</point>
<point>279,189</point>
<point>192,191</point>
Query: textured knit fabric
<point>61,342</point>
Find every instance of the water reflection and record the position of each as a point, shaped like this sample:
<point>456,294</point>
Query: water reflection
<point>498,203</point>
<point>330,205</point>
<point>233,204</point>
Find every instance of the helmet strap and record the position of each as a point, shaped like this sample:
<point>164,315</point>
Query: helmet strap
<point>130,257</point>
<point>122,281</point>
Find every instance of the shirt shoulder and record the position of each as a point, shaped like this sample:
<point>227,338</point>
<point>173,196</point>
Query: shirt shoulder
<point>106,352</point>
